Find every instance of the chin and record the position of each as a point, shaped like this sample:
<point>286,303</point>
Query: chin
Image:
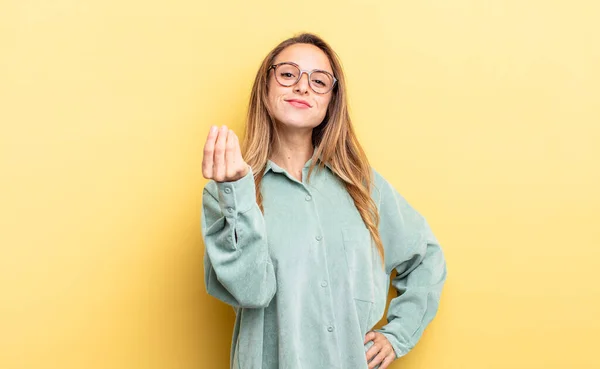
<point>293,121</point>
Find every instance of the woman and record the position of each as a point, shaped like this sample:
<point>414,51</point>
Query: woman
<point>302,235</point>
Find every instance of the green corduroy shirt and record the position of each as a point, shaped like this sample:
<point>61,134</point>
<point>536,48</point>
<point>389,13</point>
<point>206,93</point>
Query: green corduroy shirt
<point>305,279</point>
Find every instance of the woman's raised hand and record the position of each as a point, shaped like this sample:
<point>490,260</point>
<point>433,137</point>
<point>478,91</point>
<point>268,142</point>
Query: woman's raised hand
<point>222,159</point>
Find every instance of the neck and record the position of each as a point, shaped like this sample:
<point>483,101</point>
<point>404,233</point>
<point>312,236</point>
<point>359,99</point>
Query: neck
<point>292,150</point>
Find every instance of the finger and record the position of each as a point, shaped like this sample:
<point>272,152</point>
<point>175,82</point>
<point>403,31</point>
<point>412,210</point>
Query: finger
<point>377,360</point>
<point>238,154</point>
<point>207,156</point>
<point>369,337</point>
<point>230,159</point>
<point>238,150</point>
<point>372,351</point>
<point>219,156</point>
<point>387,361</point>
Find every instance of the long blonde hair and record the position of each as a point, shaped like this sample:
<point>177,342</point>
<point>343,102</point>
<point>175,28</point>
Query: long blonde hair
<point>334,139</point>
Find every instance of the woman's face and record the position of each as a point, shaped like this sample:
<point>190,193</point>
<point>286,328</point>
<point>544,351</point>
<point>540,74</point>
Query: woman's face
<point>298,106</point>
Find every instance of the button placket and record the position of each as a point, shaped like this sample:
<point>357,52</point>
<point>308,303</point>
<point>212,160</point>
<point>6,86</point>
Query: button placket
<point>323,282</point>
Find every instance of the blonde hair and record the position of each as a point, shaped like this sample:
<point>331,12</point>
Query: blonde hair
<point>334,139</point>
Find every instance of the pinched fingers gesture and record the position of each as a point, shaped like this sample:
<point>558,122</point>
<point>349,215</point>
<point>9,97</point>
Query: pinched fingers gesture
<point>222,160</point>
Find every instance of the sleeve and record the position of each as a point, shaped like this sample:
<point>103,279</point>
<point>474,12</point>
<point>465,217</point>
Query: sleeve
<point>412,249</point>
<point>237,267</point>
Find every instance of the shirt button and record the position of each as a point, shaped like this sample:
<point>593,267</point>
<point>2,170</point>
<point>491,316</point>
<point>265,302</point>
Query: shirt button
<point>330,329</point>
<point>319,238</point>
<point>308,197</point>
<point>230,209</point>
<point>227,190</point>
<point>324,284</point>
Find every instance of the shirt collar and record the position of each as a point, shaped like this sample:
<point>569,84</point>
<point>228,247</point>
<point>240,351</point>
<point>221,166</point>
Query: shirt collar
<point>277,169</point>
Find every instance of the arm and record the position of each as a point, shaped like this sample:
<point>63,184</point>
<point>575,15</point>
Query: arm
<point>411,249</point>
<point>237,266</point>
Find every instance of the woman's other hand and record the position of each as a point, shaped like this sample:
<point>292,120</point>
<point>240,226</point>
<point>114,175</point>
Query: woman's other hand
<point>381,352</point>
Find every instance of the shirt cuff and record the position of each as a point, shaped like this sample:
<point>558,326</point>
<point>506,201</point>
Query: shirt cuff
<point>237,196</point>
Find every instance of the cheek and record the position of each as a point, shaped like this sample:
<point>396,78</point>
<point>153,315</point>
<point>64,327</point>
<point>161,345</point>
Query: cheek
<point>275,91</point>
<point>324,105</point>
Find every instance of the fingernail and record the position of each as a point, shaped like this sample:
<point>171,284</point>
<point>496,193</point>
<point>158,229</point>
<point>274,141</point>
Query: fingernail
<point>213,129</point>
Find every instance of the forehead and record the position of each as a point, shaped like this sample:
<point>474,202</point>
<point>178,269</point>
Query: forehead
<point>307,56</point>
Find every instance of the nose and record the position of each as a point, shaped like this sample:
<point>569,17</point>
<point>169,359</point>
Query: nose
<point>303,84</point>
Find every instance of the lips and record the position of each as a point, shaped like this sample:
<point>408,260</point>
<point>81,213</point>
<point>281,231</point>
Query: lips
<point>299,103</point>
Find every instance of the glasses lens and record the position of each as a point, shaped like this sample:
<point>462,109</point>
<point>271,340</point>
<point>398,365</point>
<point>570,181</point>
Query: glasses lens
<point>321,82</point>
<point>287,74</point>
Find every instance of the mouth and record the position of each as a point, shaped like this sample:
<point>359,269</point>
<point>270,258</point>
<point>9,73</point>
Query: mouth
<point>299,103</point>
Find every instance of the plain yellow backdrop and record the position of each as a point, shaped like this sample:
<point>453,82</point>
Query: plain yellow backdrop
<point>483,114</point>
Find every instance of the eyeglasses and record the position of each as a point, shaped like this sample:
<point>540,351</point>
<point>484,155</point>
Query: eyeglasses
<point>288,74</point>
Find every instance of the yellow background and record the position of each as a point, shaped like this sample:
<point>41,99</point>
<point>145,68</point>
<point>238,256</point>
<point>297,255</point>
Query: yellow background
<point>484,114</point>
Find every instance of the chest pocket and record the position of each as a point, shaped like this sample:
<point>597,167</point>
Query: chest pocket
<point>358,251</point>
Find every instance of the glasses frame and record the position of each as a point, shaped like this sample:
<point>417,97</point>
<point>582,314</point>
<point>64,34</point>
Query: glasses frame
<point>302,71</point>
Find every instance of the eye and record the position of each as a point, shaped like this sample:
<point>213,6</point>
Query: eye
<point>319,82</point>
<point>287,75</point>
